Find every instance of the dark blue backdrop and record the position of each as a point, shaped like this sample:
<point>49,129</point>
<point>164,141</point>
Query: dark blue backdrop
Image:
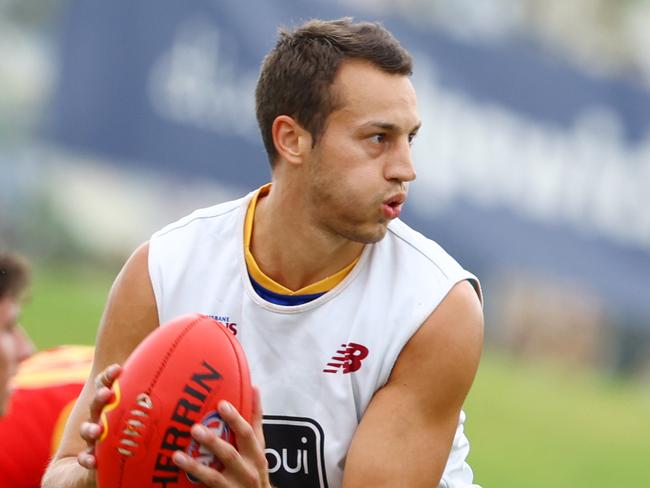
<point>111,52</point>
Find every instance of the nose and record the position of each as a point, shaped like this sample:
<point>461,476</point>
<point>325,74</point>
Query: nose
<point>400,165</point>
<point>24,345</point>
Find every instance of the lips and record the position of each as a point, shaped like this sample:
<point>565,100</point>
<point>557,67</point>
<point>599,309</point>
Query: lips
<point>392,207</point>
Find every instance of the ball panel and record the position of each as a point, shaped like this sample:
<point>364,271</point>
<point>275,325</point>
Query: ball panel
<point>173,379</point>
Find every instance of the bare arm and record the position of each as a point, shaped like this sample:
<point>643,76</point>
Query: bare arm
<point>406,433</point>
<point>129,316</point>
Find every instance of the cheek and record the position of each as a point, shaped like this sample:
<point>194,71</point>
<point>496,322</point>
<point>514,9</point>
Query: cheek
<point>345,173</point>
<point>7,351</point>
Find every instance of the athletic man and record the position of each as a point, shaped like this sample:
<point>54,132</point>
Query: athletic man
<point>362,335</point>
<point>35,395</point>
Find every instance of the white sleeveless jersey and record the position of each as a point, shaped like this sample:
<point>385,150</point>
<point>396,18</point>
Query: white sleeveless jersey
<point>317,364</point>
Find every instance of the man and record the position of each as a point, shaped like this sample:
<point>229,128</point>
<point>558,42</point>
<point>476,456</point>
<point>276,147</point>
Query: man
<point>363,336</point>
<point>15,345</point>
<point>35,395</point>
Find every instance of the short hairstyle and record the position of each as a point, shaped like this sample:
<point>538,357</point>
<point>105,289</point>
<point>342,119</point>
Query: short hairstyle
<point>297,74</point>
<point>14,275</point>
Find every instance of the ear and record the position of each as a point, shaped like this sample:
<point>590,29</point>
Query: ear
<point>291,140</point>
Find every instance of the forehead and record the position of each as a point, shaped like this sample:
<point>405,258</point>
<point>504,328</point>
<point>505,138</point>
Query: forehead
<point>369,94</point>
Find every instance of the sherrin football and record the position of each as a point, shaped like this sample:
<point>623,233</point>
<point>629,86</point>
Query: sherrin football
<point>175,378</point>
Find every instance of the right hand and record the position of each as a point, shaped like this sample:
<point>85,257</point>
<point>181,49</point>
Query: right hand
<point>91,430</point>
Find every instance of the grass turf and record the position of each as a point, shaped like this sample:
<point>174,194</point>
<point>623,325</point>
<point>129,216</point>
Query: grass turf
<point>536,424</point>
<point>65,305</point>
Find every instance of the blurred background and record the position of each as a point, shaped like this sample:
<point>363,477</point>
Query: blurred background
<point>533,171</point>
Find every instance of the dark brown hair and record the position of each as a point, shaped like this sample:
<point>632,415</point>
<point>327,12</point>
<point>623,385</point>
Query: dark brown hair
<point>296,75</point>
<point>14,275</point>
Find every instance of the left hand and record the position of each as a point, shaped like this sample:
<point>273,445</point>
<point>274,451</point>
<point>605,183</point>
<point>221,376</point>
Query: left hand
<point>244,466</point>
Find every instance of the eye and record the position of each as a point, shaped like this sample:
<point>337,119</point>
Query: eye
<point>412,138</point>
<point>378,138</point>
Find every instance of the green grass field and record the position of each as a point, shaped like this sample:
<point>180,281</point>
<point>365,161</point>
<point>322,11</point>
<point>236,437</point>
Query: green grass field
<point>530,424</point>
<point>538,425</point>
<point>65,305</point>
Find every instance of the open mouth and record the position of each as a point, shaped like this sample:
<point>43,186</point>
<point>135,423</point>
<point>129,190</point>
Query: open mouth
<point>396,200</point>
<point>393,206</point>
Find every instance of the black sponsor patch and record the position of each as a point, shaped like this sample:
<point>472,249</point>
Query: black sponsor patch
<point>294,451</point>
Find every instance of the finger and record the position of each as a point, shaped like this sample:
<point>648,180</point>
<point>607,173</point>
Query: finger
<point>107,376</point>
<point>257,419</point>
<point>90,432</point>
<point>247,441</point>
<point>235,466</point>
<point>206,475</point>
<point>103,396</point>
<point>87,460</point>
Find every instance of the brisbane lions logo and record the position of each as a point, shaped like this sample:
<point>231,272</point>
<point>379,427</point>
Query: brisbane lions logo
<point>215,423</point>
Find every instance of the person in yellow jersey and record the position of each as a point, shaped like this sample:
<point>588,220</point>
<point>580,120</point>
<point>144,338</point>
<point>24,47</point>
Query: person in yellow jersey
<point>37,389</point>
<point>362,335</point>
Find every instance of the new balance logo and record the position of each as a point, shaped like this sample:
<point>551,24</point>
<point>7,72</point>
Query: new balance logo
<point>347,359</point>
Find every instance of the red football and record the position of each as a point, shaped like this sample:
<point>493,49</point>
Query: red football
<point>172,380</point>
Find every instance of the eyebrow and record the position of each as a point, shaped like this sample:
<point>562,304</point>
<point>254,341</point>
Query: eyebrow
<point>387,126</point>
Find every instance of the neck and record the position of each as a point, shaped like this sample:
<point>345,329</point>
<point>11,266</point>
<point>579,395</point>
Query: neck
<point>288,244</point>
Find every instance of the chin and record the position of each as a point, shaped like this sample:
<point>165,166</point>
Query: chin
<point>371,236</point>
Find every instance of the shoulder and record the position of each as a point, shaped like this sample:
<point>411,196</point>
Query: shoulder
<point>130,312</point>
<point>424,258</point>
<point>60,365</point>
<point>455,326</point>
<point>177,244</point>
<point>430,380</point>
<point>441,359</point>
<point>201,218</point>
<point>449,338</point>
<point>420,248</point>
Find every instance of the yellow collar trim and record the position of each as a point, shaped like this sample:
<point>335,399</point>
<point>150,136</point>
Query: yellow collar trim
<point>322,286</point>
